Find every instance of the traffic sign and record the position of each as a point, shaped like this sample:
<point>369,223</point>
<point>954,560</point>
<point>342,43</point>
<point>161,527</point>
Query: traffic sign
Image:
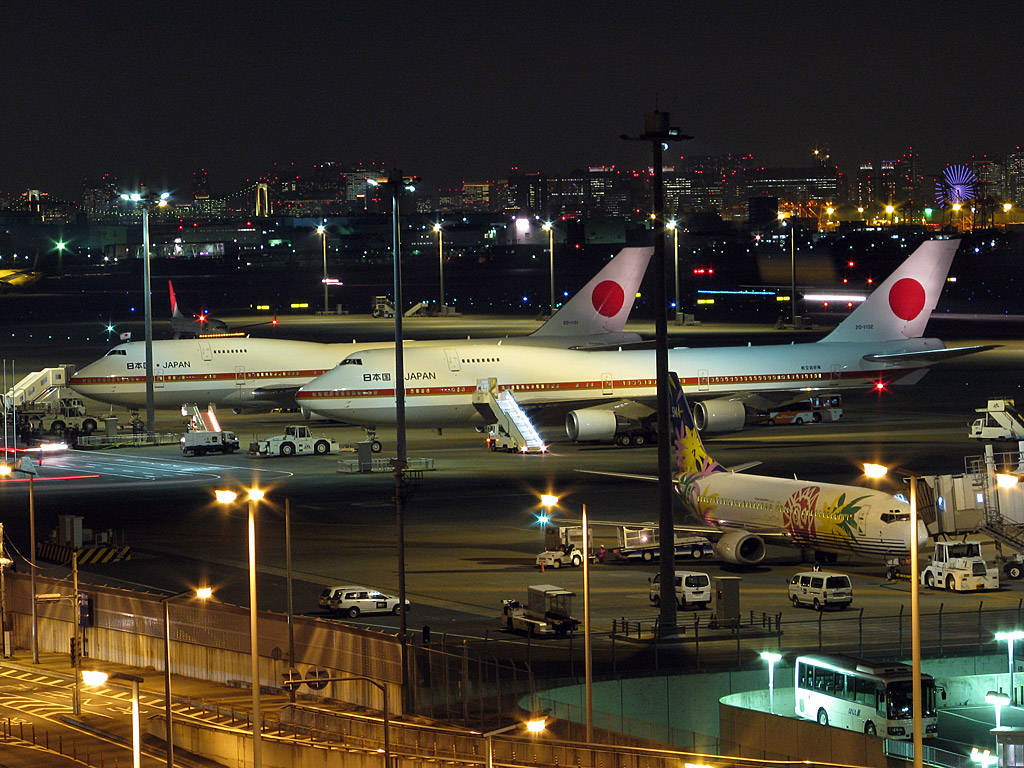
<point>315,678</point>
<point>291,679</point>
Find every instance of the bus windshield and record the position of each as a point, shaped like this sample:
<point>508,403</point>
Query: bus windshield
<point>900,698</point>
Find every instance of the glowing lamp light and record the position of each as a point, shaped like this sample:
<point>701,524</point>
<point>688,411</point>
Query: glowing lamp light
<point>875,470</point>
<point>522,226</point>
<point>1006,480</point>
<point>536,725</point>
<point>547,500</point>
<point>997,699</point>
<point>983,757</point>
<point>546,226</point>
<point>1007,207</point>
<point>255,494</point>
<point>437,227</point>
<point>671,224</point>
<point>320,229</point>
<point>889,209</point>
<point>94,677</point>
<point>225,497</point>
<point>5,469</point>
<point>957,207</point>
<point>204,593</point>
<point>543,519</point>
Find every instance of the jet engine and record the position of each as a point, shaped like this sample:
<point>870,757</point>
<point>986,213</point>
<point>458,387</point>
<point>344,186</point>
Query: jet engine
<point>740,548</point>
<point>591,424</point>
<point>719,415</point>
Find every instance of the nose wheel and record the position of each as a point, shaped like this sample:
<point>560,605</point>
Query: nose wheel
<point>375,445</point>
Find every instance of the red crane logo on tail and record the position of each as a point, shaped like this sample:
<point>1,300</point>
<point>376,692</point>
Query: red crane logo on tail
<point>906,298</point>
<point>608,298</point>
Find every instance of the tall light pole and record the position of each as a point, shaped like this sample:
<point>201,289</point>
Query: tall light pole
<point>549,228</point>
<point>659,133</point>
<point>142,200</point>
<point>203,593</point>
<point>94,678</point>
<point>61,246</point>
<point>792,267</point>
<point>673,225</point>
<point>440,261</point>
<point>1010,638</point>
<point>772,658</point>
<point>322,231</point>
<point>30,470</point>
<point>550,501</point>
<point>876,471</point>
<point>254,496</point>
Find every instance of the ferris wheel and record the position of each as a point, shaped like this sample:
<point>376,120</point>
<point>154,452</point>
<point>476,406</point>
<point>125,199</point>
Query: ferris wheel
<point>957,185</point>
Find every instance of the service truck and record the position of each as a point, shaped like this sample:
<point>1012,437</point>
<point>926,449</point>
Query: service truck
<point>548,611</point>
<point>1000,421</point>
<point>199,442</point>
<point>626,541</point>
<point>296,440</point>
<point>959,567</point>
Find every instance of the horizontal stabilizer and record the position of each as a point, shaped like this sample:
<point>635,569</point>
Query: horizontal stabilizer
<point>929,355</point>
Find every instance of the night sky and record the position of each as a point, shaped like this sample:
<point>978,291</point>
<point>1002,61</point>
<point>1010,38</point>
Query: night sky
<point>464,90</point>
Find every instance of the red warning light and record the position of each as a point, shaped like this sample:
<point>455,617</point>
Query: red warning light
<point>871,281</point>
<point>849,264</point>
<point>880,386</point>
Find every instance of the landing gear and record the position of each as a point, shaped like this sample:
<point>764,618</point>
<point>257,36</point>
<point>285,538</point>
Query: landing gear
<point>375,445</point>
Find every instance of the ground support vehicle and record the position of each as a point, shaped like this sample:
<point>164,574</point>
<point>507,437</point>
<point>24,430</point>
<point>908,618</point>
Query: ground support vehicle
<point>556,558</point>
<point>198,443</point>
<point>626,541</point>
<point>297,440</point>
<point>548,611</point>
<point>820,590</point>
<point>382,307</point>
<point>814,410</point>
<point>1001,421</point>
<point>872,698</point>
<point>693,588</point>
<point>959,567</point>
<point>354,600</point>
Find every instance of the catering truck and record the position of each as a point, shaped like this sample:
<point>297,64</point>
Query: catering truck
<point>548,611</point>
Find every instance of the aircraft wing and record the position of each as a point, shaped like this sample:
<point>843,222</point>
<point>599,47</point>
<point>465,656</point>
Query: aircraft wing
<point>931,355</point>
<point>284,393</point>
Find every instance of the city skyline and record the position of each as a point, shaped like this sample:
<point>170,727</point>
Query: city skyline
<point>459,90</point>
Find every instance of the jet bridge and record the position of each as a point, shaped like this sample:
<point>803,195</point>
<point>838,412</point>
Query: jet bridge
<point>509,428</point>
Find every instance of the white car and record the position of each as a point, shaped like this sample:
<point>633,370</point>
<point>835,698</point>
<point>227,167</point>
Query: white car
<point>820,590</point>
<point>328,593</point>
<point>355,600</point>
<point>692,588</point>
<point>556,558</point>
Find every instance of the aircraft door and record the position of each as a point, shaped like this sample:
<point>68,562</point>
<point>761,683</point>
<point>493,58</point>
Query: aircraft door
<point>703,380</point>
<point>835,373</point>
<point>607,384</point>
<point>205,352</point>
<point>452,356</point>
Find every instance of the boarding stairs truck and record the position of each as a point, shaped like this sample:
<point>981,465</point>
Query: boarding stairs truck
<point>1001,421</point>
<point>204,434</point>
<point>548,611</point>
<point>959,567</point>
<point>510,428</point>
<point>297,440</point>
<point>42,403</point>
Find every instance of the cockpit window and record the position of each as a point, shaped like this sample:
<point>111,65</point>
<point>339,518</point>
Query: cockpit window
<point>116,352</point>
<point>351,361</point>
<point>895,517</point>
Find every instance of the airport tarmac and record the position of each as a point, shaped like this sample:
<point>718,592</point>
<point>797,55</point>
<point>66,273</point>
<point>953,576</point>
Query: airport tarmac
<point>471,536</point>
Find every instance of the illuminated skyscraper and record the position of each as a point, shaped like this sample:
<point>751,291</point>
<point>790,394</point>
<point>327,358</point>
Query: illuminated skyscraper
<point>1015,176</point>
<point>864,187</point>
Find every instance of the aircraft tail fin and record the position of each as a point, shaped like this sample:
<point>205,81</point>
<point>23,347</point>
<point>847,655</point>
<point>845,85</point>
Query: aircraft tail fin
<point>899,308</point>
<point>691,456</point>
<point>602,305</point>
<point>175,312</point>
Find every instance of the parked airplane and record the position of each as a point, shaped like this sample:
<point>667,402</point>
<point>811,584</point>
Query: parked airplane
<point>195,325</point>
<point>878,344</point>
<point>250,373</point>
<point>746,512</point>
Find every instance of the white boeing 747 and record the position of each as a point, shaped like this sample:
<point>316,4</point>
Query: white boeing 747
<point>744,512</point>
<point>878,344</point>
<point>252,373</point>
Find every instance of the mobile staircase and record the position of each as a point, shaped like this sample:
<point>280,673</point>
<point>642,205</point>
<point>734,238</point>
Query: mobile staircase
<point>37,385</point>
<point>510,429</point>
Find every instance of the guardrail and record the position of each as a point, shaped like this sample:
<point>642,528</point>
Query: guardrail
<point>940,758</point>
<point>120,441</point>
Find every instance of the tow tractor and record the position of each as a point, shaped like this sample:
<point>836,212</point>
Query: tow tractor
<point>296,440</point>
<point>570,554</point>
<point>959,567</point>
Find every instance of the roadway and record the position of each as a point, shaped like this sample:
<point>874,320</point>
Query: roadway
<point>470,531</point>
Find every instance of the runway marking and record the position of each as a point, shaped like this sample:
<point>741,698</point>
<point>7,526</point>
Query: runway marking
<point>144,468</point>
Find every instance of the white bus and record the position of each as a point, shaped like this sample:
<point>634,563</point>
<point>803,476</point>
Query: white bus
<point>859,695</point>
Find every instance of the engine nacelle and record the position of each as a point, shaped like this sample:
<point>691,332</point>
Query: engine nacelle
<point>591,424</point>
<point>740,548</point>
<point>719,415</point>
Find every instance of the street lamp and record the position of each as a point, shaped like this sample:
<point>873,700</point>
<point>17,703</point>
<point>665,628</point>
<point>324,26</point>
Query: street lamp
<point>202,593</point>
<point>26,466</point>
<point>998,700</point>
<point>1010,637</point>
<point>440,260</point>
<point>889,211</point>
<point>322,231</point>
<point>534,727</point>
<point>61,246</point>
<point>673,225</point>
<point>95,678</point>
<point>254,496</point>
<point>877,471</point>
<point>772,658</point>
<point>550,501</point>
<point>143,201</point>
<point>547,227</point>
<point>984,758</point>
<point>792,267</point>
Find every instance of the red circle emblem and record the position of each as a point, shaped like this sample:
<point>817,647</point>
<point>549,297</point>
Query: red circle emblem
<point>906,298</point>
<point>608,298</point>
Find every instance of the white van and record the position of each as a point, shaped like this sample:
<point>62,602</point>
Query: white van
<point>821,589</point>
<point>692,588</point>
